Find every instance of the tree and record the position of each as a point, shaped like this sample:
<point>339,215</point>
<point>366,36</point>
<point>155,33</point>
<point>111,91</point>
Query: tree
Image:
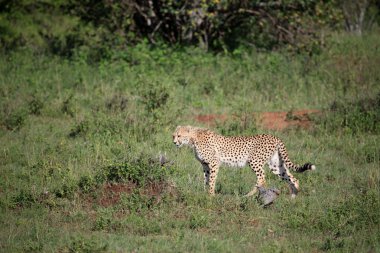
<point>354,13</point>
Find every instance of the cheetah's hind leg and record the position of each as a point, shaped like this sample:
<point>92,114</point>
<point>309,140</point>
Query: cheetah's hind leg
<point>278,167</point>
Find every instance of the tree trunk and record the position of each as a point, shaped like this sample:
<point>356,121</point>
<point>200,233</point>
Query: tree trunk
<point>354,13</point>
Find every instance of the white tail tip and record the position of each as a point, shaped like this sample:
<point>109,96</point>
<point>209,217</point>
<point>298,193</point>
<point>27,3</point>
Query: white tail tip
<point>313,167</point>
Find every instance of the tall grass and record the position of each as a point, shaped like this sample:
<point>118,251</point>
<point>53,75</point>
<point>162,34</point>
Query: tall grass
<point>81,146</point>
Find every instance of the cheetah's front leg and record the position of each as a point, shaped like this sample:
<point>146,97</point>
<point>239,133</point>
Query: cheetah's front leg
<point>214,168</point>
<point>257,167</point>
<point>206,172</point>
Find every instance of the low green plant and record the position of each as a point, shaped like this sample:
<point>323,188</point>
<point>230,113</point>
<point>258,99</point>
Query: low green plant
<point>353,116</point>
<point>33,246</point>
<point>198,220</point>
<point>104,219</point>
<point>67,106</point>
<point>15,120</point>
<point>23,199</point>
<point>80,244</point>
<point>356,213</point>
<point>67,190</point>
<point>117,103</point>
<point>86,184</point>
<point>80,129</point>
<point>35,105</point>
<point>154,96</point>
<point>137,202</point>
<point>141,171</point>
<point>140,225</point>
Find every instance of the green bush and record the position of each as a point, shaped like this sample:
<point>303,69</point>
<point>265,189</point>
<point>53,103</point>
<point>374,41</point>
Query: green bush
<point>140,225</point>
<point>91,30</point>
<point>80,244</point>
<point>68,107</point>
<point>67,190</point>
<point>362,116</point>
<point>80,129</point>
<point>198,220</point>
<point>154,96</point>
<point>86,184</point>
<point>140,171</point>
<point>104,220</point>
<point>35,105</point>
<point>15,120</point>
<point>137,202</point>
<point>33,246</point>
<point>23,199</point>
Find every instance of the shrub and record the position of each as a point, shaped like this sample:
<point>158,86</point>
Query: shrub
<point>66,191</point>
<point>23,199</point>
<point>137,224</point>
<point>353,117</point>
<point>35,106</point>
<point>33,246</point>
<point>140,171</point>
<point>86,184</point>
<point>80,129</point>
<point>15,120</point>
<point>104,220</point>
<point>154,96</point>
<point>117,103</point>
<point>68,107</point>
<point>137,202</point>
<point>80,244</point>
<point>198,220</point>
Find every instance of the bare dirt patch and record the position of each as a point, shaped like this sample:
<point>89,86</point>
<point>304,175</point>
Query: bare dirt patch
<point>267,120</point>
<point>284,120</point>
<point>111,193</point>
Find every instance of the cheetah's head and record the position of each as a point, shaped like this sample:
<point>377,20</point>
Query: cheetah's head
<point>183,135</point>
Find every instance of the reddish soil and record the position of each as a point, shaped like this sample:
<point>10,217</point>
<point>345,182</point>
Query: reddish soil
<point>211,118</point>
<point>267,120</point>
<point>283,120</point>
<point>111,193</point>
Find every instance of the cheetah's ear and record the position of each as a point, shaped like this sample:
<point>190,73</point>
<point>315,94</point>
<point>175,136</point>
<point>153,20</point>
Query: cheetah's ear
<point>192,136</point>
<point>178,128</point>
<point>187,129</point>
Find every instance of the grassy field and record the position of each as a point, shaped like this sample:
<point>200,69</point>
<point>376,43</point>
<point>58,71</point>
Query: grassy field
<point>80,145</point>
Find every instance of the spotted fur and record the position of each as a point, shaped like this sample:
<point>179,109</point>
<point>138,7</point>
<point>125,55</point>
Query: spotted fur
<point>213,150</point>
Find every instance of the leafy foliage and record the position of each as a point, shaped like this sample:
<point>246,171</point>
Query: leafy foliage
<point>354,117</point>
<point>85,245</point>
<point>93,29</point>
<point>140,171</point>
<point>16,119</point>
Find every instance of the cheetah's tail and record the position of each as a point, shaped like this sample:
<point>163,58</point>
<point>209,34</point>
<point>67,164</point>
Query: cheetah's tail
<point>305,167</point>
<point>290,164</point>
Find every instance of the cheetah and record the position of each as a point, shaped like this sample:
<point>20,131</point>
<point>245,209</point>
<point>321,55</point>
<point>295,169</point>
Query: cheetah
<point>212,150</point>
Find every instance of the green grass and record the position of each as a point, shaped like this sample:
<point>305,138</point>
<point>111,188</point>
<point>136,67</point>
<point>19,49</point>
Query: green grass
<point>71,132</point>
